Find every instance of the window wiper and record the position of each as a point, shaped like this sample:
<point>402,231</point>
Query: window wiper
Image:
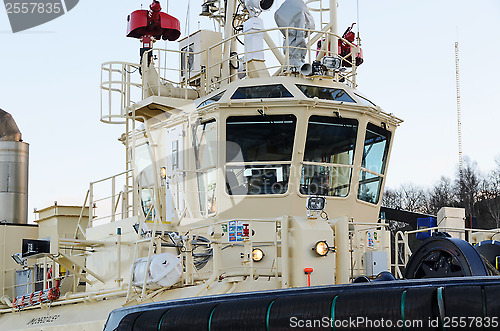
<point>261,112</point>
<point>339,94</point>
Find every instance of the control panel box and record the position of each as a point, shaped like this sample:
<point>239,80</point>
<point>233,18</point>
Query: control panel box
<point>375,262</point>
<point>201,51</point>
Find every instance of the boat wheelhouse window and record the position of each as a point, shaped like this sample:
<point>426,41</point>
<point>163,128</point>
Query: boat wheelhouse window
<point>213,99</point>
<point>326,93</point>
<point>261,92</point>
<point>373,163</point>
<point>328,156</point>
<point>260,138</point>
<point>205,150</point>
<point>365,101</point>
<point>259,153</point>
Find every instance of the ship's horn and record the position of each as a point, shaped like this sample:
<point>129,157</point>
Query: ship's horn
<point>306,69</point>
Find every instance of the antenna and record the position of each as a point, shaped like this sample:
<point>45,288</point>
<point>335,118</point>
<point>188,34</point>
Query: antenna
<point>458,111</point>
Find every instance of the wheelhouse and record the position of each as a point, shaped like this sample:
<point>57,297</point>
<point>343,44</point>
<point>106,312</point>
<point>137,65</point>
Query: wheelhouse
<point>263,149</point>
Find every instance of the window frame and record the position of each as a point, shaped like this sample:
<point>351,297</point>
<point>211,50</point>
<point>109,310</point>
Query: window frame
<point>350,166</point>
<point>380,177</point>
<point>261,86</point>
<point>260,163</point>
<point>353,101</point>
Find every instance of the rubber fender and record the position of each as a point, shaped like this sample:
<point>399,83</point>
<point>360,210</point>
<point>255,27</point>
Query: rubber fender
<point>492,293</point>
<point>187,318</point>
<point>384,276</point>
<point>127,323</point>
<point>285,310</point>
<point>361,279</point>
<point>370,304</point>
<point>248,315</point>
<point>420,304</point>
<point>464,301</point>
<point>149,320</point>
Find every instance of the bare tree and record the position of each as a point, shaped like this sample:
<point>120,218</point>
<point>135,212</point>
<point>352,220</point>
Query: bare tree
<point>442,194</point>
<point>469,184</point>
<point>491,193</point>
<point>407,197</point>
<point>414,198</point>
<point>391,199</point>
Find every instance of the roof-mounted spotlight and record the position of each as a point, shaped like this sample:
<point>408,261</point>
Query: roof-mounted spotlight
<point>331,63</point>
<point>20,260</point>
<point>208,7</point>
<point>255,7</point>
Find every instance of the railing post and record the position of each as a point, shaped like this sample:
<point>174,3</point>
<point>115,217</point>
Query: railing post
<point>287,50</point>
<point>284,252</point>
<point>91,205</point>
<point>113,198</point>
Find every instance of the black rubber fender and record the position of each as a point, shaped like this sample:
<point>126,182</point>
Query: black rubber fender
<point>371,304</point>
<point>492,301</point>
<point>127,323</point>
<point>149,320</point>
<point>420,304</point>
<point>285,312</point>
<point>247,315</point>
<point>187,318</point>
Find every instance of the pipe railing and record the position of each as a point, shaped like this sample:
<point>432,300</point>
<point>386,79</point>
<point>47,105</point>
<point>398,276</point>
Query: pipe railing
<point>111,201</point>
<point>124,84</point>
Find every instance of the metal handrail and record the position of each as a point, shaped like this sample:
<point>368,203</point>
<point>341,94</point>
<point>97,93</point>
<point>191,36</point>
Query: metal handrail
<point>113,197</point>
<point>117,79</point>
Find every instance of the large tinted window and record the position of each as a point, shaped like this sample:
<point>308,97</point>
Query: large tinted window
<point>374,159</point>
<point>267,141</point>
<point>260,138</point>
<point>261,92</point>
<point>329,140</point>
<point>375,149</point>
<point>326,93</point>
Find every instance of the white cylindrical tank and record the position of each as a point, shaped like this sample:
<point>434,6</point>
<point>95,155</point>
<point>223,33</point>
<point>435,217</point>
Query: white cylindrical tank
<point>164,270</point>
<point>14,157</point>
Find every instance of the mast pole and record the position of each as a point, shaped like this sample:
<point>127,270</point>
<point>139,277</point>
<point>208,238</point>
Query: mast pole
<point>457,72</point>
<point>228,33</point>
<point>333,20</point>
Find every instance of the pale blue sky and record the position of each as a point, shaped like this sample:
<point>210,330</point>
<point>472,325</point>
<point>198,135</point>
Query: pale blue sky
<point>50,80</point>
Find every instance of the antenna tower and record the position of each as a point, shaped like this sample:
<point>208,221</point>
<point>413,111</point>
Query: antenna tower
<point>458,110</point>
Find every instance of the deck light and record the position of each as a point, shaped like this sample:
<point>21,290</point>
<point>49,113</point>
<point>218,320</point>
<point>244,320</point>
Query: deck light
<point>315,203</point>
<point>321,248</point>
<point>19,259</point>
<point>255,7</point>
<point>163,173</point>
<point>257,254</point>
<point>331,63</point>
